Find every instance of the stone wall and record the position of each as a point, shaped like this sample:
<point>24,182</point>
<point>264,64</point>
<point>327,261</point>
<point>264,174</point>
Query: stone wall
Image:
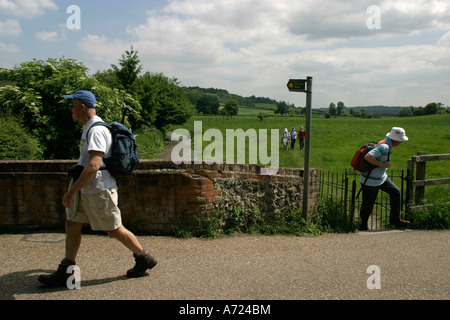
<point>157,196</point>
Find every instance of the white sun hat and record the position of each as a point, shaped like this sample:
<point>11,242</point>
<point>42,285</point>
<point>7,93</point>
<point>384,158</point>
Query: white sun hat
<point>397,134</point>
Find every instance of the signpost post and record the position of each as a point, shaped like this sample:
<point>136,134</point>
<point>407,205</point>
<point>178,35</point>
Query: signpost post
<point>305,85</point>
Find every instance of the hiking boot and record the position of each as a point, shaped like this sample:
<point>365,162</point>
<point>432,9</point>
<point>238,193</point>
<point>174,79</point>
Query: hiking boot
<point>59,277</point>
<point>363,228</point>
<point>401,224</point>
<point>144,261</point>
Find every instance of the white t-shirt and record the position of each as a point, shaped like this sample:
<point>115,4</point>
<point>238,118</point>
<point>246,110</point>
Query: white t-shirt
<point>99,139</point>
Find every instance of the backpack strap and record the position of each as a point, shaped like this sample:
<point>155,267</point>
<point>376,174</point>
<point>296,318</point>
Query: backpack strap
<point>389,153</point>
<point>368,174</point>
<point>98,123</point>
<point>95,124</point>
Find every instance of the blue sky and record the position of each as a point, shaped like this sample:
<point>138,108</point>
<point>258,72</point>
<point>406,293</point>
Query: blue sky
<point>398,55</point>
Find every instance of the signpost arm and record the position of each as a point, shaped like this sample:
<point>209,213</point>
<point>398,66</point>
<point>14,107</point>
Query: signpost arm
<point>307,148</point>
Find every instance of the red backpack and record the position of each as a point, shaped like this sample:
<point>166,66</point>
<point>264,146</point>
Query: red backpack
<point>358,162</point>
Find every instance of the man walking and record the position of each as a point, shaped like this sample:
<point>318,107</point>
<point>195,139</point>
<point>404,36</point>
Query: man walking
<point>377,179</point>
<point>96,194</point>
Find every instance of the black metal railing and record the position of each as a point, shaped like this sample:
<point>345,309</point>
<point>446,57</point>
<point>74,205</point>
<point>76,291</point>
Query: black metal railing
<point>344,188</point>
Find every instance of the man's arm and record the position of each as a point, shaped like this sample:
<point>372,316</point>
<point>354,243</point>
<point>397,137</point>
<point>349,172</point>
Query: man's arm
<point>89,172</point>
<point>370,159</point>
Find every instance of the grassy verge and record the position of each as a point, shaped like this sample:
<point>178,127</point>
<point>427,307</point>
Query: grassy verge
<point>238,220</point>
<point>149,143</point>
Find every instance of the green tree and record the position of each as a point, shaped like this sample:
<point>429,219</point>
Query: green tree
<point>419,111</point>
<point>208,103</point>
<point>340,109</point>
<point>431,108</point>
<point>129,69</point>
<point>332,109</point>
<point>405,112</point>
<point>36,98</point>
<point>162,100</point>
<point>223,112</point>
<point>282,108</point>
<point>261,116</point>
<point>232,107</point>
<point>15,142</point>
<point>108,78</point>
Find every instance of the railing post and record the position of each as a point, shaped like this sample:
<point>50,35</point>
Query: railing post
<point>352,204</point>
<point>345,193</point>
<point>420,175</point>
<point>409,186</point>
<point>402,179</point>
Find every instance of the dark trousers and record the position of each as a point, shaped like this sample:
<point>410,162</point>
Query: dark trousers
<point>369,196</point>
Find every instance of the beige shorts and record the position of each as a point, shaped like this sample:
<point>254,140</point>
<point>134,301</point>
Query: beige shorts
<point>100,210</point>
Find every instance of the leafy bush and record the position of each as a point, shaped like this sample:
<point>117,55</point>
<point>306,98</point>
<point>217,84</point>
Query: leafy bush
<point>332,217</point>
<point>431,217</point>
<point>162,99</point>
<point>37,100</point>
<point>16,143</point>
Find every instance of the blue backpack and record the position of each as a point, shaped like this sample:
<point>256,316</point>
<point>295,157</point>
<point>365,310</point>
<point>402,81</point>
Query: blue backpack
<point>124,158</point>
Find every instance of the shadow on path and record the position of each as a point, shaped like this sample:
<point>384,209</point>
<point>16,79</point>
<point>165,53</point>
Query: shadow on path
<point>26,282</point>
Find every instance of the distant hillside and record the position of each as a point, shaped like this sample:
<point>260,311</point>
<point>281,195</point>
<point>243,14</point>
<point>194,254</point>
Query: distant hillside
<point>379,110</point>
<point>385,111</point>
<point>224,95</point>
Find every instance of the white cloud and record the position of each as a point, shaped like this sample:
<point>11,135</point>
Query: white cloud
<point>26,8</point>
<point>47,36</point>
<point>53,36</point>
<point>8,47</point>
<point>10,28</point>
<point>444,40</point>
<point>254,46</point>
<point>102,50</point>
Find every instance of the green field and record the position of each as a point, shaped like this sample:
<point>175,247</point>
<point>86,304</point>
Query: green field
<point>335,140</point>
<point>264,108</point>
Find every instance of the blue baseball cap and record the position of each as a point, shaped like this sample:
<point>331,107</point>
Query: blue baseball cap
<point>85,97</point>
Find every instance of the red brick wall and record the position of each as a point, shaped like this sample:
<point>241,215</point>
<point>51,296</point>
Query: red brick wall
<point>156,197</point>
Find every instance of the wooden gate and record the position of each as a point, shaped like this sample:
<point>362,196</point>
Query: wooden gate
<point>416,181</point>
